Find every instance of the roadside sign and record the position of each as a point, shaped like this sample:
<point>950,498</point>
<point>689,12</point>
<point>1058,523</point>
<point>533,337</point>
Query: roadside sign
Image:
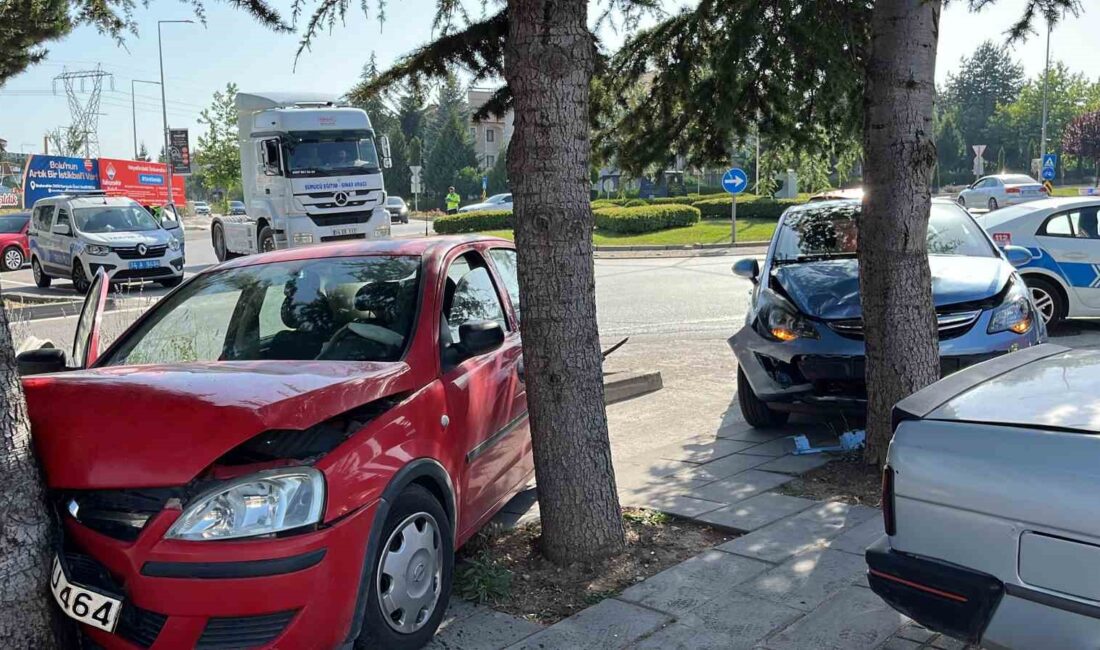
<point>1050,165</point>
<point>415,169</point>
<point>415,185</point>
<point>979,163</point>
<point>735,181</point>
<point>979,149</point>
<point>179,152</point>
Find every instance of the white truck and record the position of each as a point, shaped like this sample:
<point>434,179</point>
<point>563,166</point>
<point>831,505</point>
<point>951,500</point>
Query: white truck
<point>311,173</point>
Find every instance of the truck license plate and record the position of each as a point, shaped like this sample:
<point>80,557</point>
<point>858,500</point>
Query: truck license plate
<point>84,605</point>
<point>343,231</point>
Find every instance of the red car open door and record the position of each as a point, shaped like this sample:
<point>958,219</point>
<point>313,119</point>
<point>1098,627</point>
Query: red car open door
<point>86,342</point>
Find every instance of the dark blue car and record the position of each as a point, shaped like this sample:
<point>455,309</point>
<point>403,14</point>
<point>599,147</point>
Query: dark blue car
<point>802,344</point>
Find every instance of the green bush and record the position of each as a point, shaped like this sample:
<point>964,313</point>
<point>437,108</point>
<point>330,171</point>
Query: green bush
<point>754,208</point>
<point>670,200</point>
<point>648,218</point>
<point>479,221</point>
<point>635,203</point>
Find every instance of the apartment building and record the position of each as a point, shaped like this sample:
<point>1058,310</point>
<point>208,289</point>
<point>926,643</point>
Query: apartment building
<point>490,136</point>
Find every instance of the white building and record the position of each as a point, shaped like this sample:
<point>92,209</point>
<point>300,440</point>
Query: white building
<point>490,136</point>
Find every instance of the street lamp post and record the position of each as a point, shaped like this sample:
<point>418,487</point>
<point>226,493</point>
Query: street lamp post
<point>164,108</point>
<point>1046,84</point>
<point>133,108</point>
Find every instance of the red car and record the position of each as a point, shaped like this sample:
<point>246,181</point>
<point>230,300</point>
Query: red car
<point>13,240</point>
<point>287,449</point>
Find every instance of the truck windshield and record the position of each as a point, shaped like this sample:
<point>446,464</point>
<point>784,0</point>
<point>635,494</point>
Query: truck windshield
<point>331,153</point>
<point>336,309</point>
<point>114,218</point>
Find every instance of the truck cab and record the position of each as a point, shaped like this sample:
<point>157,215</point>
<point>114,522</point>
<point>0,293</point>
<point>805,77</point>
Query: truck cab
<point>311,172</point>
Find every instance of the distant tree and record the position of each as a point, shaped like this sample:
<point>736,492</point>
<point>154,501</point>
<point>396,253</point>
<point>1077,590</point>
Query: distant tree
<point>498,174</point>
<point>219,152</point>
<point>410,113</point>
<point>143,152</point>
<point>450,103</point>
<point>450,153</point>
<point>161,158</point>
<point>398,177</point>
<point>468,183</point>
<point>1082,139</point>
<point>950,144</point>
<point>986,79</point>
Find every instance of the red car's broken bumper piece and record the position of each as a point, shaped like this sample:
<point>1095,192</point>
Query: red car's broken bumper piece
<point>298,591</point>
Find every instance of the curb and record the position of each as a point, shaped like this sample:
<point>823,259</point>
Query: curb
<point>685,247</point>
<point>621,386</point>
<point>31,299</point>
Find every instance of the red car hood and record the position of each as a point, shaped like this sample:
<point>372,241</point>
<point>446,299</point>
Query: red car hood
<point>150,426</point>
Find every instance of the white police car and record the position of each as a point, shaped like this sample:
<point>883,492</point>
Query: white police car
<point>1064,239</point>
<point>76,235</point>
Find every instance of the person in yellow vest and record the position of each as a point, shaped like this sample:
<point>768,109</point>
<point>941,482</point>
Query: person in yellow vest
<point>453,199</point>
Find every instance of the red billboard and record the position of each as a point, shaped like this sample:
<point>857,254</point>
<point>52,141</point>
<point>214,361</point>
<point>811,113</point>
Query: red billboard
<point>141,181</point>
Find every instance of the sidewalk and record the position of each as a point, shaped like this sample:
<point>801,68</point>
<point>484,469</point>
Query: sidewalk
<point>795,580</point>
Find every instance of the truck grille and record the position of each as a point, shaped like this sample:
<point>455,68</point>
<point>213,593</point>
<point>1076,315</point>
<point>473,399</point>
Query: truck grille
<point>131,252</point>
<point>950,324</point>
<point>339,219</point>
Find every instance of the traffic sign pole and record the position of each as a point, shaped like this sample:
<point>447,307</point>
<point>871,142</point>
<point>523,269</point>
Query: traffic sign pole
<point>734,181</point>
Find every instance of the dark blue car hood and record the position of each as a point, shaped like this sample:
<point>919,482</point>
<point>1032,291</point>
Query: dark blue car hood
<point>829,289</point>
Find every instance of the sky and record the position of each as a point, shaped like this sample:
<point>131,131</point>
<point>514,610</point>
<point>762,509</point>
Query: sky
<point>232,47</point>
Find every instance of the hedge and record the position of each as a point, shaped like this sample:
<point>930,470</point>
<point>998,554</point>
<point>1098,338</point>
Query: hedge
<point>647,218</point>
<point>751,209</point>
<point>479,221</point>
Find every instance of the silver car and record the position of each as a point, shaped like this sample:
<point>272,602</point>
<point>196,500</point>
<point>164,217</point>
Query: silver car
<point>999,190</point>
<point>990,503</point>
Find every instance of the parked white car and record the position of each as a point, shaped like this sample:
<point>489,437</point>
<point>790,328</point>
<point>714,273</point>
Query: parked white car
<point>495,202</point>
<point>1064,239</point>
<point>989,503</point>
<point>76,236</point>
<point>999,190</point>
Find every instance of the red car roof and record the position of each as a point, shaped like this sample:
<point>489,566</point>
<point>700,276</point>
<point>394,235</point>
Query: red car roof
<point>424,246</point>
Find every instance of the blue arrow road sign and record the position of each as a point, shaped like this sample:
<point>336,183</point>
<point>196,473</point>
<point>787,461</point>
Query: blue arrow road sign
<point>1050,163</point>
<point>735,181</point>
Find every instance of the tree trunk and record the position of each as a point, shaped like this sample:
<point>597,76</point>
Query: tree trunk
<point>548,64</point>
<point>899,153</point>
<point>28,618</point>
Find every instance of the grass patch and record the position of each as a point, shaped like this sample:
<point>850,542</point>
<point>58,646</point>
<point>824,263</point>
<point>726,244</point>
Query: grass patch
<point>505,569</point>
<point>704,232</point>
<point>1069,190</point>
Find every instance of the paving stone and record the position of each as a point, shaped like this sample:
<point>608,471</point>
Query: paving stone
<point>681,506</point>
<point>796,465</point>
<point>608,625</point>
<point>684,637</point>
<point>854,618</point>
<point>691,583</point>
<point>740,486</point>
<point>808,579</point>
<point>942,642</point>
<point>898,643</point>
<point>742,431</point>
<point>643,471</point>
<point>755,512</point>
<point>805,531</point>
<point>777,447</point>
<point>699,451</point>
<point>916,632</point>
<point>486,629</point>
<point>742,619</point>
<point>458,609</point>
<point>856,540</point>
<point>721,468</point>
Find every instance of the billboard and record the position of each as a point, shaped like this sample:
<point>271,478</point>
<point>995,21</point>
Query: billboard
<point>141,181</point>
<point>179,151</point>
<point>48,175</point>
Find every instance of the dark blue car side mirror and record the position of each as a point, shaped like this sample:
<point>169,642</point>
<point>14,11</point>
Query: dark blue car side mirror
<point>1017,255</point>
<point>747,268</point>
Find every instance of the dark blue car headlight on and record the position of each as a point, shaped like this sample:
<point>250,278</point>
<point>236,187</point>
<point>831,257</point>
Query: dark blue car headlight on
<point>1014,314</point>
<point>779,320</point>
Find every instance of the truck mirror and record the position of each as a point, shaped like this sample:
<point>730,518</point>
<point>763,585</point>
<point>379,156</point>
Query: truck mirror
<point>387,160</point>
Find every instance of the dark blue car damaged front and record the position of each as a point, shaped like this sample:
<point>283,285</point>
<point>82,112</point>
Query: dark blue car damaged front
<point>813,356</point>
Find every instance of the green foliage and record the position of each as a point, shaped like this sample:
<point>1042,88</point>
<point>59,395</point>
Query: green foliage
<point>760,208</point>
<point>450,153</point>
<point>219,153</point>
<point>479,221</point>
<point>647,218</point>
<point>988,78</point>
<point>647,517</point>
<point>1082,138</point>
<point>482,580</point>
<point>670,200</point>
<point>468,182</point>
<point>634,203</point>
<point>143,152</point>
<point>498,175</point>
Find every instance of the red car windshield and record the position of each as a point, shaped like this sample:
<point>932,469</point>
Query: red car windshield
<point>338,309</point>
<point>12,225</point>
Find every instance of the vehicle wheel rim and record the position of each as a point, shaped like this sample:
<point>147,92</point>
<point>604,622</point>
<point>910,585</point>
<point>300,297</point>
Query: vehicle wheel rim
<point>13,259</point>
<point>1044,302</point>
<point>79,281</point>
<point>219,243</point>
<point>36,271</point>
<point>992,204</point>
<point>268,244</point>
<point>410,574</point>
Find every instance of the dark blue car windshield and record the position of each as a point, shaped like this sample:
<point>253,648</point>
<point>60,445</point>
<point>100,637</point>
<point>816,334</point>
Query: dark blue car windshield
<point>830,230</point>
